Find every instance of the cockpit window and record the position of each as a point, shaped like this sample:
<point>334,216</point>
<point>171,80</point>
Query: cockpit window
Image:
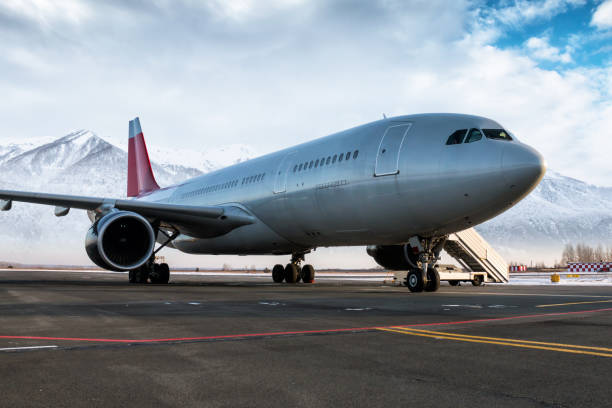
<point>474,135</point>
<point>457,137</point>
<point>498,134</point>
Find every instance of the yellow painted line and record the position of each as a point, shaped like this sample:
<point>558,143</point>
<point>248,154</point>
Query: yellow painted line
<point>576,303</point>
<point>501,343</point>
<point>541,343</point>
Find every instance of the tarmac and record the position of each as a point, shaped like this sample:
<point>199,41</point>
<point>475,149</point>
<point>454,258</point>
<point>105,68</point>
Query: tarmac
<point>92,339</point>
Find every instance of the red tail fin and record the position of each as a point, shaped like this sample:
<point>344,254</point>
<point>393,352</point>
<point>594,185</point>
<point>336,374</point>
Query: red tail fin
<point>140,176</point>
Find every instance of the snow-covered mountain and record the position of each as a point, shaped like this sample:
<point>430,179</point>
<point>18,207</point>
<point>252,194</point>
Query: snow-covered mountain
<point>80,163</point>
<point>559,210</point>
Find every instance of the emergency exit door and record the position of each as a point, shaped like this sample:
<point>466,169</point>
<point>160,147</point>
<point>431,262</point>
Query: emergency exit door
<point>387,158</point>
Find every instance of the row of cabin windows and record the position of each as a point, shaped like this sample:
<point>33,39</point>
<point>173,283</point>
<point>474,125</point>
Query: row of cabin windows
<point>474,135</point>
<point>224,186</point>
<point>253,179</point>
<point>325,161</point>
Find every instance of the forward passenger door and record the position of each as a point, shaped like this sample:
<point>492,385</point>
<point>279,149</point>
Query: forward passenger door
<point>387,157</point>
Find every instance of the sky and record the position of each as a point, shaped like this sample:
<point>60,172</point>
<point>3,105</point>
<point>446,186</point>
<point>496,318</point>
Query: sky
<point>273,73</point>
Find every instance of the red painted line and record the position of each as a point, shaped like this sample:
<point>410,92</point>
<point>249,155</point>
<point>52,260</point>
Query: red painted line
<point>288,333</point>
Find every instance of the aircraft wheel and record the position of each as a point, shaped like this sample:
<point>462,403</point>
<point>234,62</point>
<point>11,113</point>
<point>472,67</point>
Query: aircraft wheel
<point>163,273</point>
<point>478,280</point>
<point>454,283</point>
<point>299,275</point>
<point>433,280</point>
<point>414,280</point>
<point>139,275</point>
<point>308,274</point>
<point>278,273</point>
<point>292,273</point>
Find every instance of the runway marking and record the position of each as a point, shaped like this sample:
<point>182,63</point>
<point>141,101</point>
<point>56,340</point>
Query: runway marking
<point>26,348</point>
<point>576,303</point>
<point>298,332</point>
<point>522,294</point>
<point>565,348</point>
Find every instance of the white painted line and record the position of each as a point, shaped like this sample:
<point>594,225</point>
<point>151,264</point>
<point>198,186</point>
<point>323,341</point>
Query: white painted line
<point>521,294</point>
<point>26,348</point>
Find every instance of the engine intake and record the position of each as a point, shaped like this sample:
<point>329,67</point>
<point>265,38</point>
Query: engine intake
<point>120,241</point>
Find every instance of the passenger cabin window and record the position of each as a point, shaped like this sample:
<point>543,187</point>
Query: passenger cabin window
<point>474,135</point>
<point>497,134</point>
<point>457,137</point>
<point>355,154</point>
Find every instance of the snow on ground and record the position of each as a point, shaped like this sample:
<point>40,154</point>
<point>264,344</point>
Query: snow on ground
<point>567,279</point>
<point>528,279</point>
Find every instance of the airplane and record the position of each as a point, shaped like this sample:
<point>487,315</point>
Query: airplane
<point>398,186</point>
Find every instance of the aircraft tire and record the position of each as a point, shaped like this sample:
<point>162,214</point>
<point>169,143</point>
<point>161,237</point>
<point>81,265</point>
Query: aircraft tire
<point>433,280</point>
<point>454,283</point>
<point>164,273</point>
<point>308,274</point>
<point>132,276</point>
<point>414,280</point>
<point>278,273</point>
<point>478,280</point>
<point>141,275</point>
<point>292,273</point>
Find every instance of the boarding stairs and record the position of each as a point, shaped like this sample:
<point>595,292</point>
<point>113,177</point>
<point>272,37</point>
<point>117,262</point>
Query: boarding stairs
<point>476,255</point>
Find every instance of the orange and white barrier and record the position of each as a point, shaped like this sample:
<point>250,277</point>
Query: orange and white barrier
<point>589,267</point>
<point>518,268</point>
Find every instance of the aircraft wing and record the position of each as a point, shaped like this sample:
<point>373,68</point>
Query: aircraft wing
<point>196,221</point>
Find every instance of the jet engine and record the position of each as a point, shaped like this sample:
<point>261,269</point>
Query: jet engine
<point>120,241</point>
<point>393,257</point>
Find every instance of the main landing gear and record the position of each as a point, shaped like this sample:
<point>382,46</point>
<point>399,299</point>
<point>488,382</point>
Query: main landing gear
<point>151,271</point>
<point>424,276</point>
<point>293,273</point>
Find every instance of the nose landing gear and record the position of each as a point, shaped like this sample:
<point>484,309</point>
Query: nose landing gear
<point>424,276</point>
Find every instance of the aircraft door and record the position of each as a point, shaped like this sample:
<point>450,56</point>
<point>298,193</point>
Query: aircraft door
<point>282,172</point>
<point>387,157</point>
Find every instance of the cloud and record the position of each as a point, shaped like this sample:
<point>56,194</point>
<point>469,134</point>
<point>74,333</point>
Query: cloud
<point>46,12</point>
<point>602,18</point>
<point>525,11</point>
<point>540,48</point>
<point>274,74</point>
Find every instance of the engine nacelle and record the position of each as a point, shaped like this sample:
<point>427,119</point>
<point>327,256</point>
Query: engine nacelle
<point>120,241</point>
<point>393,257</point>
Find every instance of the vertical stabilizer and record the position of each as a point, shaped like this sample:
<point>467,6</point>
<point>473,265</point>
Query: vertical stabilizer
<point>140,176</point>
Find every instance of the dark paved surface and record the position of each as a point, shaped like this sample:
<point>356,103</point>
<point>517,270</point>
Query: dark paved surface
<point>361,367</point>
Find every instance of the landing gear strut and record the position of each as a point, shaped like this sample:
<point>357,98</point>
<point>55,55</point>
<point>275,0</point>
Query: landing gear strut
<point>424,274</point>
<point>154,272</point>
<point>292,272</point>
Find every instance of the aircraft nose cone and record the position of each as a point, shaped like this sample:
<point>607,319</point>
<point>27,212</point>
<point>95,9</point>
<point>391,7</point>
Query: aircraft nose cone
<point>522,166</point>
